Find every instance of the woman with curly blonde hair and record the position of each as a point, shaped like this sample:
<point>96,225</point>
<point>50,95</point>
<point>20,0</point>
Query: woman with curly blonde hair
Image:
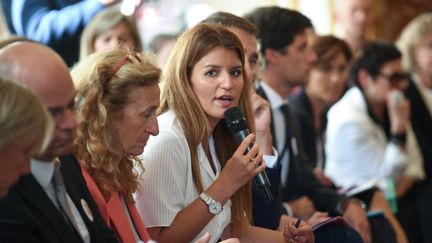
<point>118,96</point>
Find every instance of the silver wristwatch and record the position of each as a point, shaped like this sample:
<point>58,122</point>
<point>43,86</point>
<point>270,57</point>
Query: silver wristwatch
<point>214,206</point>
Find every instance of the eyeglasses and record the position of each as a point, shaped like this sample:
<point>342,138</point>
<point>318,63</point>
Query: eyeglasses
<point>395,77</point>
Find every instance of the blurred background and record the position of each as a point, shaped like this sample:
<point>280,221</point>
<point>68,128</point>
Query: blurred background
<point>172,16</point>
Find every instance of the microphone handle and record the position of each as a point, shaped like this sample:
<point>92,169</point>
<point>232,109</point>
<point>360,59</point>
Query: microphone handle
<point>261,180</point>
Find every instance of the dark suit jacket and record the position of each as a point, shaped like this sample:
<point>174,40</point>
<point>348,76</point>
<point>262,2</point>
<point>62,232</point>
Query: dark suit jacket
<point>414,207</point>
<point>302,109</point>
<point>421,122</point>
<point>267,213</point>
<point>300,182</point>
<point>28,215</point>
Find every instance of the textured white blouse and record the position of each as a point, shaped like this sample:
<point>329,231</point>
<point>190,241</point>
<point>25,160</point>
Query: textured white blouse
<point>167,187</point>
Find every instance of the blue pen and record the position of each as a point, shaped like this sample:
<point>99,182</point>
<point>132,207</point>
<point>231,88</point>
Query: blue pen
<point>297,223</point>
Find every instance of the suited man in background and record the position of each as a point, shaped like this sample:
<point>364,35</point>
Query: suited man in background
<point>35,210</point>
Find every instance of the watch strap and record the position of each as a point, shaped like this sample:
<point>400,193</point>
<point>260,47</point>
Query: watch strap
<point>206,198</point>
<point>214,206</point>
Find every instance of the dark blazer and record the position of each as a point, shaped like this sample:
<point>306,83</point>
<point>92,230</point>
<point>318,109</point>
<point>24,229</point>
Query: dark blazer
<point>301,180</point>
<point>421,122</point>
<point>302,109</point>
<point>267,213</point>
<point>28,215</point>
<point>414,207</point>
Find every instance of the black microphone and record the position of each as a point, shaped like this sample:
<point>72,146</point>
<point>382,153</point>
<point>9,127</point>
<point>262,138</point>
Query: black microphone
<point>237,125</point>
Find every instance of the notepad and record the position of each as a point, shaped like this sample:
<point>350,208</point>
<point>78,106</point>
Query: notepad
<point>333,220</point>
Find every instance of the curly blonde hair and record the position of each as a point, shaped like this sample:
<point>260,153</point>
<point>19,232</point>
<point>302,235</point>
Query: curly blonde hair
<point>177,95</point>
<point>104,81</point>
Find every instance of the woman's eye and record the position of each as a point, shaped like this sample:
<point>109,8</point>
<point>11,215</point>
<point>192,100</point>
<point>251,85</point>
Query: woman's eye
<point>211,74</point>
<point>341,69</point>
<point>236,72</point>
<point>148,114</point>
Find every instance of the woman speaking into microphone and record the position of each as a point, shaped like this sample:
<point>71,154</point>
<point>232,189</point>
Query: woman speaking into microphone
<point>196,178</point>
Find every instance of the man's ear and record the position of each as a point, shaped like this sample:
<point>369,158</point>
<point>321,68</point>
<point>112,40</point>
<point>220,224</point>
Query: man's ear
<point>271,55</point>
<point>364,78</point>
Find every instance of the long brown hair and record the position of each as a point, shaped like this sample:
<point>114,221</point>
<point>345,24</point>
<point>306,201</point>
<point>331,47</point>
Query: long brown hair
<point>104,81</point>
<point>177,95</point>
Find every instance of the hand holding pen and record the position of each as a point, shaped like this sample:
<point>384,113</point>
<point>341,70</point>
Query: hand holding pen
<point>297,223</point>
<point>298,231</point>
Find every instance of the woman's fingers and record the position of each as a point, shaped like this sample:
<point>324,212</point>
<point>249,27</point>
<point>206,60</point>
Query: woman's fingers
<point>245,144</point>
<point>303,233</point>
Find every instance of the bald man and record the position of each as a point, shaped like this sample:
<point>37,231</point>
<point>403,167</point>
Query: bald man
<point>33,211</point>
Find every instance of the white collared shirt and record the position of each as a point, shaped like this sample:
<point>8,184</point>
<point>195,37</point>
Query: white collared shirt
<point>271,159</point>
<point>276,101</point>
<point>167,185</point>
<point>43,173</point>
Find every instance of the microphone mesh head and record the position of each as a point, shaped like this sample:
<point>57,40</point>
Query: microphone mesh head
<point>235,120</point>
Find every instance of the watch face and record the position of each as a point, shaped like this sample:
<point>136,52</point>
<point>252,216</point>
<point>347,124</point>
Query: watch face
<point>215,207</point>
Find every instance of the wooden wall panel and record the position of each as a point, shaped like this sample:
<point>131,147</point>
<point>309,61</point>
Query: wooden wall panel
<point>393,15</point>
